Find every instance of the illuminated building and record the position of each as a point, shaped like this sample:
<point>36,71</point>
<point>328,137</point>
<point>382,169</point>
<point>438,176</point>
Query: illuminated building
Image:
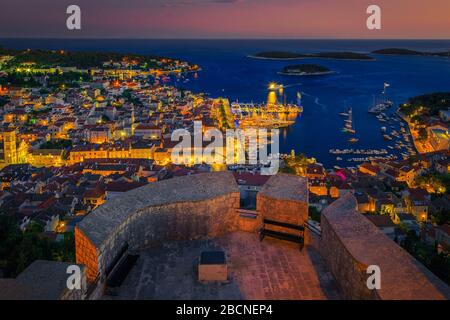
<point>8,118</point>
<point>100,102</point>
<point>319,187</point>
<point>369,169</point>
<point>10,146</point>
<point>162,156</point>
<point>439,138</point>
<point>22,152</point>
<point>98,135</point>
<point>95,197</point>
<point>126,151</point>
<point>46,157</point>
<point>272,96</point>
<point>148,131</point>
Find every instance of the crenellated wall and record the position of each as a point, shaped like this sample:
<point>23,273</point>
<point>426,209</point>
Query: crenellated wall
<point>184,208</point>
<point>350,243</point>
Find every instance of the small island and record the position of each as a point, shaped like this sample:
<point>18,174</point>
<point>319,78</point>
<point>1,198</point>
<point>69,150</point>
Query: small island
<point>277,55</point>
<point>282,55</point>
<point>408,52</point>
<point>305,70</point>
<point>343,56</point>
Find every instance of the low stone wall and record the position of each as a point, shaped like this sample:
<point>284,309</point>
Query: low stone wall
<point>184,208</point>
<point>249,221</point>
<point>284,198</point>
<point>350,243</point>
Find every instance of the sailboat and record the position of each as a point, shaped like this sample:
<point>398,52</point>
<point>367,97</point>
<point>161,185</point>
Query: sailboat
<point>299,99</point>
<point>345,114</point>
<point>349,123</point>
<point>381,102</point>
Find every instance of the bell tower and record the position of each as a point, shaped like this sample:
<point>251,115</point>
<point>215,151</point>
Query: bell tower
<point>10,145</point>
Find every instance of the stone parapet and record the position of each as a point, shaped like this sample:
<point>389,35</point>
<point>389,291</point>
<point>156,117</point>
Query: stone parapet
<point>350,243</point>
<point>86,253</point>
<point>184,208</point>
<point>284,198</point>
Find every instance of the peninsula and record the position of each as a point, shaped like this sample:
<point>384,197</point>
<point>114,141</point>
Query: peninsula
<point>41,59</point>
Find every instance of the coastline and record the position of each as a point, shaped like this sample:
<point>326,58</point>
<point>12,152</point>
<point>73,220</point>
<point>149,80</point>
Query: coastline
<point>413,134</point>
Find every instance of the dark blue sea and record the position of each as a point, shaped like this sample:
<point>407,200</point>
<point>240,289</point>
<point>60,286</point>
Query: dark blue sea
<point>228,72</point>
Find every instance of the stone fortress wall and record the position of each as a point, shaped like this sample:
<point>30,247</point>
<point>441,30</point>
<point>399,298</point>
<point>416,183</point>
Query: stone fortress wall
<point>350,243</point>
<point>184,208</point>
<point>207,205</point>
<point>284,198</point>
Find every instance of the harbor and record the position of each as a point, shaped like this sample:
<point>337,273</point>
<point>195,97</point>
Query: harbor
<point>394,131</point>
<point>276,113</point>
<point>318,128</point>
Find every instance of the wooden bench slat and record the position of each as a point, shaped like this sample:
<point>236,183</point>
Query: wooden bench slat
<point>284,224</point>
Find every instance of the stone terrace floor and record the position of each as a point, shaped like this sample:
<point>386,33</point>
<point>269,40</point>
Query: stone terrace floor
<point>270,269</point>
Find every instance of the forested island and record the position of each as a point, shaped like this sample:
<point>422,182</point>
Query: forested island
<point>283,55</point>
<point>305,70</point>
<point>278,55</point>
<point>407,52</point>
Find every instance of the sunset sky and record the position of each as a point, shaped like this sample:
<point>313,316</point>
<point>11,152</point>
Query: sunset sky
<point>226,19</point>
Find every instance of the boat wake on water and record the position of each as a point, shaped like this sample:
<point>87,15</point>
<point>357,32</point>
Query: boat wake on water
<point>293,85</point>
<point>316,101</point>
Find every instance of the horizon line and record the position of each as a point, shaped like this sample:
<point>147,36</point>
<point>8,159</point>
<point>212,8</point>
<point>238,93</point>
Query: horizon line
<point>220,39</point>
